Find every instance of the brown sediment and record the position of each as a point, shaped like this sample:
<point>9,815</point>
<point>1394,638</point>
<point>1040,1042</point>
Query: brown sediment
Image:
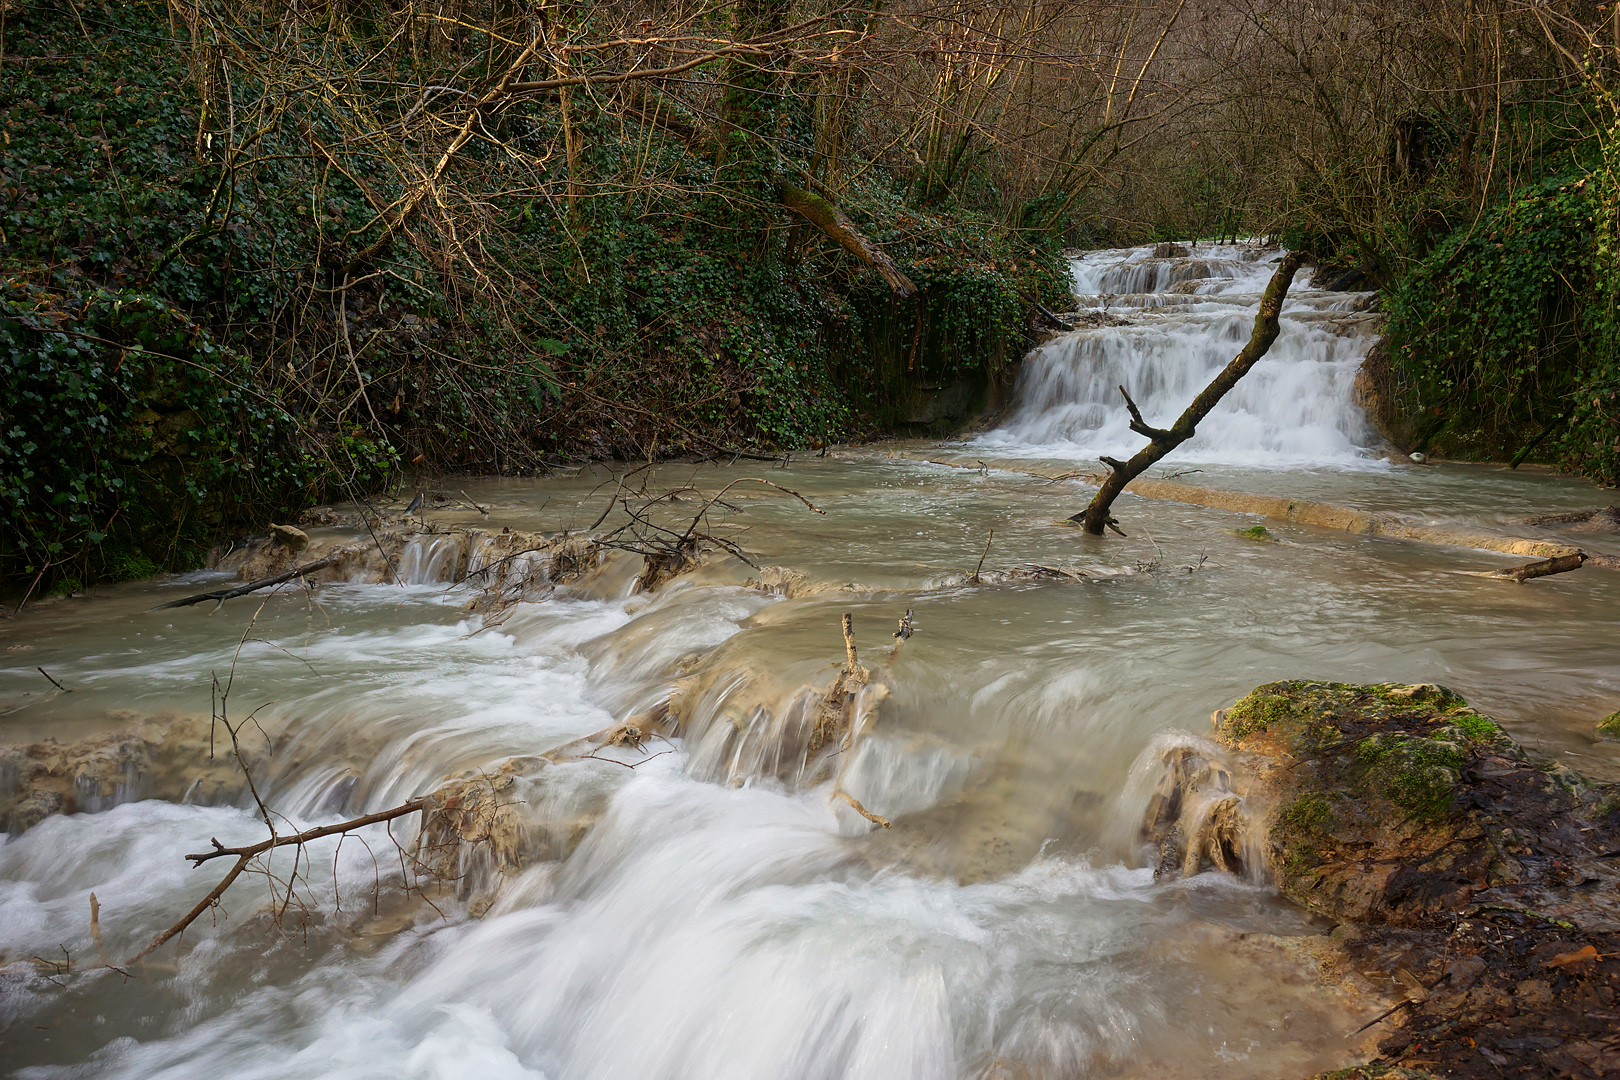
<point>1479,883</point>
<point>146,757</point>
<point>1307,512</point>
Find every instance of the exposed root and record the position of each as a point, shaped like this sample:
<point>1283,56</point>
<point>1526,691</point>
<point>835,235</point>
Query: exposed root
<point>833,719</point>
<point>876,819</point>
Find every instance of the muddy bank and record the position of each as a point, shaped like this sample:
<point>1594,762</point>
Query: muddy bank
<point>1481,886</point>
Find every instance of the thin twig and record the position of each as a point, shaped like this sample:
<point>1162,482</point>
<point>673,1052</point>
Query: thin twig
<point>974,580</point>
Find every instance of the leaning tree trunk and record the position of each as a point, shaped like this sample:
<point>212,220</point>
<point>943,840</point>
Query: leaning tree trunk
<point>831,220</point>
<point>1095,518</point>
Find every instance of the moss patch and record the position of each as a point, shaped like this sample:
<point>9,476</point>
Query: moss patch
<point>1257,712</point>
<point>1609,726</point>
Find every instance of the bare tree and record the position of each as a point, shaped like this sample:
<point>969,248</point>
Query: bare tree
<point>1096,517</point>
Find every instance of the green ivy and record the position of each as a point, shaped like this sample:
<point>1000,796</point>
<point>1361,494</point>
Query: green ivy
<point>129,437</point>
<point>1485,332</point>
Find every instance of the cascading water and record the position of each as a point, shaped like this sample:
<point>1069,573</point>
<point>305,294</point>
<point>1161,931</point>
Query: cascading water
<point>700,905</point>
<point>1182,318</point>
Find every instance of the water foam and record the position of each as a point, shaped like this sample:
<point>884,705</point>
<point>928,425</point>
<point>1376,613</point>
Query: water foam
<point>1188,317</point>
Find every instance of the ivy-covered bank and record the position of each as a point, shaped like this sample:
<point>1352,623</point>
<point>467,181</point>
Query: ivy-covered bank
<point>1503,342</point>
<point>209,320</point>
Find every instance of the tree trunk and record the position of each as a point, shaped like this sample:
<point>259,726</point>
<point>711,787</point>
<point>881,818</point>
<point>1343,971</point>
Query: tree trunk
<point>1096,517</point>
<point>831,220</point>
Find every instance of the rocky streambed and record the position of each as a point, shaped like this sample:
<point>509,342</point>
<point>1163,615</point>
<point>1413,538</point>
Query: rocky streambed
<point>1477,883</point>
<point>987,833</point>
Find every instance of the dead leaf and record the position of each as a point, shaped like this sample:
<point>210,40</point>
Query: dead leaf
<point>1415,990</point>
<point>1579,956</point>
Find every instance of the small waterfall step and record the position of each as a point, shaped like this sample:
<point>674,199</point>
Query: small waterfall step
<point>1171,324</point>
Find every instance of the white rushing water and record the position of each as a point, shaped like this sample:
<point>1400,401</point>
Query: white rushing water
<point>1185,317</point>
<point>710,913</point>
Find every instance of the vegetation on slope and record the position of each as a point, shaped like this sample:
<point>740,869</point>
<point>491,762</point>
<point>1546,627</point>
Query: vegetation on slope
<point>257,255</point>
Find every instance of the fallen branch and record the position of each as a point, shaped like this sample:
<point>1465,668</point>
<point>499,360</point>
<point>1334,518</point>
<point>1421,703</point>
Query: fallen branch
<point>832,221</point>
<point>307,835</point>
<point>1096,517</point>
<point>837,710</point>
<point>749,480</point>
<point>902,635</point>
<point>1562,564</point>
<point>974,580</point>
<point>834,706</point>
<point>876,819</point>
<point>222,595</point>
<point>247,854</point>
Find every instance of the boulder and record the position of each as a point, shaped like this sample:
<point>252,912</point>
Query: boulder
<point>290,537</point>
<point>1609,726</point>
<point>1482,882</point>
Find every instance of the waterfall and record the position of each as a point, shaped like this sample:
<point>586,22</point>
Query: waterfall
<point>428,560</point>
<point>1166,326</point>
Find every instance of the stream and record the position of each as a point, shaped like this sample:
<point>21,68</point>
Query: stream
<point>710,914</point>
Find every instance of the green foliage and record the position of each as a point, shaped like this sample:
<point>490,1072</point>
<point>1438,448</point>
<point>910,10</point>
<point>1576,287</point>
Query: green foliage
<point>1591,439</point>
<point>190,348</point>
<point>1484,333</point>
<point>121,422</point>
<point>1256,713</point>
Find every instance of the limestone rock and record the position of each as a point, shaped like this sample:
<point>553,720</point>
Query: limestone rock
<point>165,757</point>
<point>290,537</point>
<point>1483,880</point>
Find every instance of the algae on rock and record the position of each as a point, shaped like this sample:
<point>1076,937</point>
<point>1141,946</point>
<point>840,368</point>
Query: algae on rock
<point>1463,866</point>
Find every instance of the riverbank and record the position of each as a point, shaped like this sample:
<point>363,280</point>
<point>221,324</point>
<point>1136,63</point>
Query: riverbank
<point>1478,882</point>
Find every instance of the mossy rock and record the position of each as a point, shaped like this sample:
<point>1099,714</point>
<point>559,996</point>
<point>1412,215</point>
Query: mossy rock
<point>1609,726</point>
<point>1394,803</point>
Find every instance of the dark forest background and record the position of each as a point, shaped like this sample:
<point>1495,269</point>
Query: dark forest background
<point>261,254</point>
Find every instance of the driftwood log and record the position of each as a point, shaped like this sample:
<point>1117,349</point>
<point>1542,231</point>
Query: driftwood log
<point>222,595</point>
<point>1545,568</point>
<point>1096,517</point>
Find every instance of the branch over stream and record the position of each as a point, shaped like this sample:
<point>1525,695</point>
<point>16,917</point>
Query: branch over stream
<point>1096,516</point>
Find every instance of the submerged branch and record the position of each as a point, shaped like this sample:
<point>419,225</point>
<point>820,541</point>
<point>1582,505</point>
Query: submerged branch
<point>222,595</point>
<point>248,853</point>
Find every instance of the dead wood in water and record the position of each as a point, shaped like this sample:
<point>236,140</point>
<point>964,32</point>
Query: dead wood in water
<point>838,713</point>
<point>222,595</point>
<point>668,553</point>
<point>876,819</point>
<point>902,635</point>
<point>834,717</point>
<point>245,855</point>
<point>1562,564</point>
<point>1096,517</point>
<point>974,580</point>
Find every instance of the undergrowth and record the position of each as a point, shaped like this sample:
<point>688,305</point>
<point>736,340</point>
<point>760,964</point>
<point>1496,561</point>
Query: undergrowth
<point>189,348</point>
